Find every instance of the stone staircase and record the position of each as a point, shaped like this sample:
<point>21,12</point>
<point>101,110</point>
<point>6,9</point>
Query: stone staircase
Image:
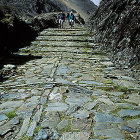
<point>72,92</point>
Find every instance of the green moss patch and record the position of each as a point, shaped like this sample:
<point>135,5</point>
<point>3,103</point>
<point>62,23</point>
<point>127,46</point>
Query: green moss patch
<point>11,114</point>
<point>37,129</point>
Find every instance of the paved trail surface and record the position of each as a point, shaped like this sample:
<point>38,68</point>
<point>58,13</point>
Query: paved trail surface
<point>69,91</point>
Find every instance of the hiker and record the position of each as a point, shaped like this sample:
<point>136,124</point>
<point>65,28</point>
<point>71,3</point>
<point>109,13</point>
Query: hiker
<point>61,18</point>
<point>71,19</point>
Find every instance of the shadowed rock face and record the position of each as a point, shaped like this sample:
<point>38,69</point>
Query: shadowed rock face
<point>17,32</point>
<point>117,26</point>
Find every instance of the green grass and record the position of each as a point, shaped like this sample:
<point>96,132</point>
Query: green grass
<point>24,137</point>
<point>107,88</point>
<point>11,114</point>
<point>108,81</point>
<point>37,129</point>
<point>6,20</point>
<point>121,89</point>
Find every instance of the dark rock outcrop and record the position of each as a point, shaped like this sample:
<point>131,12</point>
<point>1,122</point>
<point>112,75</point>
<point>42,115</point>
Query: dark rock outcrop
<point>17,32</point>
<point>34,7</point>
<point>117,27</point>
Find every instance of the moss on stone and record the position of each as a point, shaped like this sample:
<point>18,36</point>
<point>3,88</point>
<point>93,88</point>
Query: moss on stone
<point>108,81</point>
<point>37,129</point>
<point>107,88</point>
<point>131,117</point>
<point>11,114</point>
<point>121,89</point>
<point>24,137</point>
<point>68,128</point>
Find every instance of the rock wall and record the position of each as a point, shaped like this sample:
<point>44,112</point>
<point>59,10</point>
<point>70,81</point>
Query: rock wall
<point>17,32</point>
<point>116,24</point>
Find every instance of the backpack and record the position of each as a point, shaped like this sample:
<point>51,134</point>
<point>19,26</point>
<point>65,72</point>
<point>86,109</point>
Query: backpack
<point>71,16</point>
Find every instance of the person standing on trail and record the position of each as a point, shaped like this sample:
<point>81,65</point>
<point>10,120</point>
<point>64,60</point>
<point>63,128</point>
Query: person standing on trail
<point>61,19</point>
<point>71,19</point>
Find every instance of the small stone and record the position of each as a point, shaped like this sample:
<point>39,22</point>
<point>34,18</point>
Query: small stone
<point>9,126</point>
<point>55,96</point>
<point>11,104</point>
<point>90,105</point>
<point>63,124</point>
<point>128,129</point>
<point>42,135</point>
<point>115,93</point>
<point>106,108</point>
<point>36,92</point>
<point>100,117</point>
<point>109,133</point>
<point>14,96</point>
<point>81,124</point>
<point>98,92</point>
<point>106,101</point>
<point>122,105</point>
<point>24,127</point>
<point>51,119</point>
<point>133,123</point>
<point>91,83</point>
<point>75,136</point>
<point>31,129</point>
<point>102,126</point>
<point>108,63</point>
<point>21,90</point>
<point>81,90</point>
<point>134,98</point>
<point>77,100</point>
<point>43,100</point>
<point>81,114</point>
<point>55,134</point>
<point>72,109</point>
<point>115,99</point>
<point>15,121</point>
<point>3,117</point>
<point>58,106</point>
<point>128,112</point>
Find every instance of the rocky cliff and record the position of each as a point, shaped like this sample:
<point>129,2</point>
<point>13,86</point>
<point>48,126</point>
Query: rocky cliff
<point>117,27</point>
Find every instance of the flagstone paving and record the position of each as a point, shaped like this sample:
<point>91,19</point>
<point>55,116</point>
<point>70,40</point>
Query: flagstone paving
<point>69,91</point>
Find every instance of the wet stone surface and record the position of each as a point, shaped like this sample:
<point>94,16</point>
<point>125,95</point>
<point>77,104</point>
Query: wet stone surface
<point>68,90</point>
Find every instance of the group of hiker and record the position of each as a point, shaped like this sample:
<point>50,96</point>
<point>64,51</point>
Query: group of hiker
<point>62,17</point>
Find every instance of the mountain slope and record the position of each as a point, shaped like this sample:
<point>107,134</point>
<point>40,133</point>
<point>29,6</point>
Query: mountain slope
<point>84,7</point>
<point>34,7</point>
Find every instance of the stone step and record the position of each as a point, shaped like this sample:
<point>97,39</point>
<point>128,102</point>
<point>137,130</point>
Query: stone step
<point>62,44</point>
<point>65,29</point>
<point>79,50</point>
<point>65,38</point>
<point>64,33</point>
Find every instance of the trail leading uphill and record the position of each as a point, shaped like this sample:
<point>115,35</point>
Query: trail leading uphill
<point>68,90</point>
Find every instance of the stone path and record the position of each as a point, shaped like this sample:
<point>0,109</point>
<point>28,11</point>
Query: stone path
<point>73,92</point>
